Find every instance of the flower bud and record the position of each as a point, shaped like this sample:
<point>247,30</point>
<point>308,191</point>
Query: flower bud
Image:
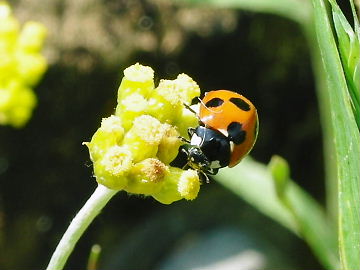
<point>177,185</point>
<point>131,107</point>
<point>132,149</point>
<point>21,67</point>
<point>138,79</point>
<point>109,134</point>
<point>167,101</point>
<point>146,177</point>
<point>144,137</point>
<point>280,171</point>
<point>186,119</point>
<point>9,28</point>
<point>112,170</point>
<point>32,37</point>
<point>30,67</point>
<point>169,144</point>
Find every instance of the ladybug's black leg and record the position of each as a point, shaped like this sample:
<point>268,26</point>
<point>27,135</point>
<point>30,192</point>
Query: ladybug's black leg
<point>182,158</point>
<point>185,150</point>
<point>203,176</point>
<point>184,139</point>
<point>191,131</point>
<point>212,171</point>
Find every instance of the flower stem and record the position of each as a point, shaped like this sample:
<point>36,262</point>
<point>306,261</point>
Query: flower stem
<point>78,225</point>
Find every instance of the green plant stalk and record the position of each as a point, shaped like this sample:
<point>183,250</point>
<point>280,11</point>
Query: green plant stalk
<point>94,257</point>
<point>326,125</point>
<point>314,227</point>
<point>78,225</point>
<point>327,135</point>
<point>346,140</point>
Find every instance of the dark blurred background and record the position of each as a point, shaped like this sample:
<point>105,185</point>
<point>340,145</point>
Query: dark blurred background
<point>46,173</point>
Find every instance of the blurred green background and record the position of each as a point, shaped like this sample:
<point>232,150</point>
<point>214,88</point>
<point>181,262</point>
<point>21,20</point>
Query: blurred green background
<point>46,174</point>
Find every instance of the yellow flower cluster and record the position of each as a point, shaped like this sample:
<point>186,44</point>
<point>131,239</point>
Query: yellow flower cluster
<point>132,149</point>
<point>21,67</point>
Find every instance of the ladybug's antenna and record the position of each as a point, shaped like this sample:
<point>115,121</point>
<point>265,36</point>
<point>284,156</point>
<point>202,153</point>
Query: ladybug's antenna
<point>189,108</point>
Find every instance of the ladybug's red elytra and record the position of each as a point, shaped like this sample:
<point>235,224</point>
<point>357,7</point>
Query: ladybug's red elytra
<point>227,131</point>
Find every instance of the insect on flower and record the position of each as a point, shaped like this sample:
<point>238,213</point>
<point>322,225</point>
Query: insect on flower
<point>227,131</point>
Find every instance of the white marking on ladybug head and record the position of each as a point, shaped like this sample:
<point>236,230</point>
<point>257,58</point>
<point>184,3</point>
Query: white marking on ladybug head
<point>232,145</point>
<point>215,164</point>
<point>196,140</point>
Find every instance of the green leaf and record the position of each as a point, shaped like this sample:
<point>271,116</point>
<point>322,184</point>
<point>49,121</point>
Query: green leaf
<point>346,141</point>
<point>280,172</point>
<point>297,211</point>
<point>349,48</point>
<point>355,16</point>
<point>256,187</point>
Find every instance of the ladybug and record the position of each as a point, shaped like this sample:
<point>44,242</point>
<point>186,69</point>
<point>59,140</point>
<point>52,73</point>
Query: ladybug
<point>227,131</point>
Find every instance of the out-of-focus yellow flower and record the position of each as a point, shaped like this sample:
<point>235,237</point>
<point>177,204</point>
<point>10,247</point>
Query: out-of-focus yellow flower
<point>21,67</point>
<point>133,148</point>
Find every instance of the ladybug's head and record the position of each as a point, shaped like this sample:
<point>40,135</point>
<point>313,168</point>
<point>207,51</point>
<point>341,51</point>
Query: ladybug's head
<point>197,160</point>
<point>207,151</point>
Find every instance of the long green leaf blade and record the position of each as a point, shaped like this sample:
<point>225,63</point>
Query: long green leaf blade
<point>346,141</point>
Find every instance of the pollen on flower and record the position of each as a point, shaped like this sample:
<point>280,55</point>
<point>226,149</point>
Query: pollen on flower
<point>130,107</point>
<point>134,103</point>
<point>139,73</point>
<point>138,79</point>
<point>169,145</point>
<point>168,90</point>
<point>146,177</point>
<point>181,90</point>
<point>187,87</point>
<point>189,184</point>
<point>178,184</point>
<point>153,169</point>
<point>148,129</point>
<point>117,160</point>
<point>112,124</point>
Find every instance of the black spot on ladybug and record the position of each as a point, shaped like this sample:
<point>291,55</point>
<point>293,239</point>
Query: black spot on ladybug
<point>215,102</point>
<point>240,103</point>
<point>236,133</point>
